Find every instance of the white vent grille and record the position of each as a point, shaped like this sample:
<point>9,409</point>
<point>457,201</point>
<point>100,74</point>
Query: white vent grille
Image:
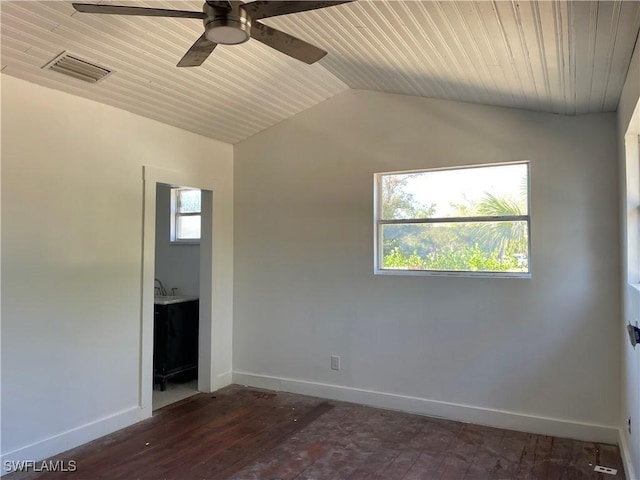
<point>77,68</point>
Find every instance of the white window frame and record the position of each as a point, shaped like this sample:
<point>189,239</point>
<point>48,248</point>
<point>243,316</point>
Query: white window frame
<point>175,214</point>
<point>378,222</point>
<point>632,173</point>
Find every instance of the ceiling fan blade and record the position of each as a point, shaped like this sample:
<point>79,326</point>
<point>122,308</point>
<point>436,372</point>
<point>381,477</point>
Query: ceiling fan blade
<point>285,43</point>
<point>198,53</point>
<point>273,8</point>
<point>225,4</point>
<point>125,10</point>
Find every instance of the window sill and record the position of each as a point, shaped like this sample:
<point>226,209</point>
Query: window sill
<point>434,273</point>
<point>185,242</point>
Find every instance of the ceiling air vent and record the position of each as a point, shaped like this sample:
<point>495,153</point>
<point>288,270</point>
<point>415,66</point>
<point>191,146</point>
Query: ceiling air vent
<point>77,68</point>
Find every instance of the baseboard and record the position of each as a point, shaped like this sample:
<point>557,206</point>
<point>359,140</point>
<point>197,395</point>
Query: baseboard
<point>433,408</point>
<point>72,438</point>
<point>224,379</point>
<point>625,453</point>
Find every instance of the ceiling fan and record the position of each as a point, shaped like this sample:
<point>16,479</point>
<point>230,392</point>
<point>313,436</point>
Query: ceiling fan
<point>230,23</point>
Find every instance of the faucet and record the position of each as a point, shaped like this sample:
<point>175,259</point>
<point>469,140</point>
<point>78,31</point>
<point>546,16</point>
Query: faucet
<point>159,288</point>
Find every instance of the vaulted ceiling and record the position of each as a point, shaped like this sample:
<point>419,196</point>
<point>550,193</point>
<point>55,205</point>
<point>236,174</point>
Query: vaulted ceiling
<point>555,56</point>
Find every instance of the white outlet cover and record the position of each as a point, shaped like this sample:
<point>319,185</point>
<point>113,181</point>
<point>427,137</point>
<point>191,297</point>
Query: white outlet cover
<point>600,468</point>
<point>335,362</point>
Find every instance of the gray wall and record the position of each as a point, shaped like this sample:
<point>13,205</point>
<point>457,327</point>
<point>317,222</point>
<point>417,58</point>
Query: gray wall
<point>177,265</point>
<point>500,351</point>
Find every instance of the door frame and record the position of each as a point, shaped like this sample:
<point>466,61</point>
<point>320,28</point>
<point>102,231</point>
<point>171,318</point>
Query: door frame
<point>210,376</point>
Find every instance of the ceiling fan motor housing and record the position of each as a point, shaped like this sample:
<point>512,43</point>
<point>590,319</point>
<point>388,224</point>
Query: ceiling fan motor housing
<point>227,27</point>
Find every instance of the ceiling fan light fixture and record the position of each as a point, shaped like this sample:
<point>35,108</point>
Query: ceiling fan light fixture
<point>228,30</point>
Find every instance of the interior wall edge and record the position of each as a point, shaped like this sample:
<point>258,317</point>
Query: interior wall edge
<point>75,437</point>
<point>625,453</point>
<point>423,406</point>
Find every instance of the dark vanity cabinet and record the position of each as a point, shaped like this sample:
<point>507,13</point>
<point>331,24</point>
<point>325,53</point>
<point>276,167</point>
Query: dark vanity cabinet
<point>175,341</point>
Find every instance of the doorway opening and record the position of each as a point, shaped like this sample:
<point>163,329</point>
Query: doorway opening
<point>176,294</point>
<point>213,299</point>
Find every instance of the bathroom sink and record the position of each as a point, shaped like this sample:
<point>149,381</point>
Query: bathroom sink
<point>171,299</point>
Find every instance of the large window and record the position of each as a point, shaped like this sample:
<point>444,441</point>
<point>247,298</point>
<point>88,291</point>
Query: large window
<point>470,221</point>
<point>185,215</point>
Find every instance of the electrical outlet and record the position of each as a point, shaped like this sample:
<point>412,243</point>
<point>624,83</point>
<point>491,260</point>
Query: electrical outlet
<point>335,362</point>
<point>600,468</point>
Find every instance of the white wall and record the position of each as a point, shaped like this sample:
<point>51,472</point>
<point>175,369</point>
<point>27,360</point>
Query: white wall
<point>177,265</point>
<point>540,355</point>
<point>630,199</point>
<point>72,194</point>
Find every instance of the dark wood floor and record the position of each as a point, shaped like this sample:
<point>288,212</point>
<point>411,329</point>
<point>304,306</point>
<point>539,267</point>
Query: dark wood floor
<point>242,433</point>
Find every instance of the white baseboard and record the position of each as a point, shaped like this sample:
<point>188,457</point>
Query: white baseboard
<point>433,408</point>
<point>224,379</point>
<point>625,453</point>
<point>73,438</point>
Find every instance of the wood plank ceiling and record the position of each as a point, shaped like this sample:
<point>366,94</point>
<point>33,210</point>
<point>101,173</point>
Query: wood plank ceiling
<point>555,56</point>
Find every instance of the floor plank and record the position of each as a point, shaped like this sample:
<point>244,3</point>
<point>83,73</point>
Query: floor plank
<point>241,433</point>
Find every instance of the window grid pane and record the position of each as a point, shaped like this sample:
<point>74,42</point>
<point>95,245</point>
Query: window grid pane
<point>188,227</point>
<point>461,192</point>
<point>188,201</point>
<point>474,246</point>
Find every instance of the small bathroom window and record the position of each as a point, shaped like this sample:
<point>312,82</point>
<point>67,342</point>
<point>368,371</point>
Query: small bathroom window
<point>185,215</point>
